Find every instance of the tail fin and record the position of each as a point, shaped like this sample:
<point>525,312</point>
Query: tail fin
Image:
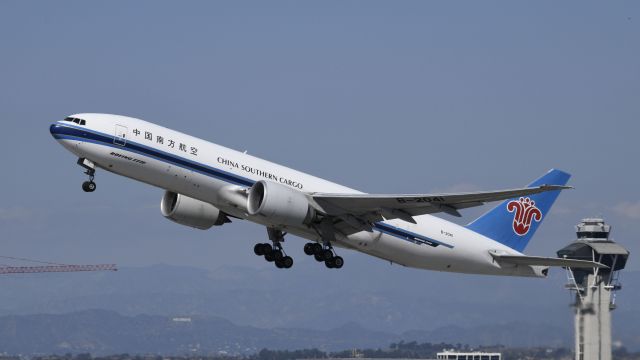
<point>514,221</point>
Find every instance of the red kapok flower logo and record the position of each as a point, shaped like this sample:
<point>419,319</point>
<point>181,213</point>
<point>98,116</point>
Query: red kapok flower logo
<point>525,211</point>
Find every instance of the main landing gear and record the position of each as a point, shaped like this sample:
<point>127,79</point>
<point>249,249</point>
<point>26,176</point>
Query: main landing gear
<point>324,254</point>
<point>88,186</point>
<point>321,252</point>
<point>274,253</point>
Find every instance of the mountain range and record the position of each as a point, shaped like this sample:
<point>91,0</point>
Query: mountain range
<point>102,332</point>
<point>240,309</point>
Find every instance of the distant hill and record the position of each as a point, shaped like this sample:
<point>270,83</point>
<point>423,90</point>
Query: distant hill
<point>106,332</point>
<point>401,303</point>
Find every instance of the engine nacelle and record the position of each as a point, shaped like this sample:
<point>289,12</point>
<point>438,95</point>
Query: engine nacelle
<point>279,203</point>
<point>191,212</point>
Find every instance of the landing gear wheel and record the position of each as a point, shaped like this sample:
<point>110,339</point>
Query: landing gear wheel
<point>279,264</point>
<point>337,262</point>
<point>317,248</point>
<point>287,262</point>
<point>329,263</point>
<point>258,249</point>
<point>266,248</point>
<point>89,186</point>
<point>327,254</point>
<point>308,249</point>
<point>318,257</point>
<point>261,249</point>
<point>278,255</point>
<point>270,256</point>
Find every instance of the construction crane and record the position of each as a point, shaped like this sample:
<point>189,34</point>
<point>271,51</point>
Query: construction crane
<point>50,267</point>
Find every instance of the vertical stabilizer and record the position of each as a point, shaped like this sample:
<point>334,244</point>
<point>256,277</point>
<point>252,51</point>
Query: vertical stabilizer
<point>514,221</point>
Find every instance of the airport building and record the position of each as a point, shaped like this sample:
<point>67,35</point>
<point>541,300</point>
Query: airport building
<point>475,355</point>
<point>444,355</point>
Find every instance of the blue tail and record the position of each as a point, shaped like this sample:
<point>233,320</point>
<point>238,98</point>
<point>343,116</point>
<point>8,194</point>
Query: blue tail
<point>514,221</point>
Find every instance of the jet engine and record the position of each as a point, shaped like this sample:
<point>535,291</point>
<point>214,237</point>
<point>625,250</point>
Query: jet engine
<point>191,212</point>
<point>280,204</point>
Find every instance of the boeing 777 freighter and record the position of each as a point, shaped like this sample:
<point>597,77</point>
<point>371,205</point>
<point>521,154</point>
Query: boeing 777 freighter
<point>206,184</point>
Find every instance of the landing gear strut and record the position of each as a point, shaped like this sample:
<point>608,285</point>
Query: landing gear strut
<point>274,253</point>
<point>88,186</point>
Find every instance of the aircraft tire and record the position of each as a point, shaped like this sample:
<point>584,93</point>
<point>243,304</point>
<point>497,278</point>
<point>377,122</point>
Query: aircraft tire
<point>308,249</point>
<point>278,255</point>
<point>89,186</point>
<point>337,262</point>
<point>270,256</point>
<point>327,254</point>
<point>317,248</point>
<point>287,262</point>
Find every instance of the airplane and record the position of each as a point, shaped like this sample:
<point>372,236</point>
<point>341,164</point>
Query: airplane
<point>208,185</point>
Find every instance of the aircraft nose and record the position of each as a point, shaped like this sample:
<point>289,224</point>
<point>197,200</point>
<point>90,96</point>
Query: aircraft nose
<point>54,129</point>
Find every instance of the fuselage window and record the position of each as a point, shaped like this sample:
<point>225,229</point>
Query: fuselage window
<point>82,122</point>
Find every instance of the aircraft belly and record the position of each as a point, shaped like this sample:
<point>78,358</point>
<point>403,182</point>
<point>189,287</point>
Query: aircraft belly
<point>422,256</point>
<point>151,171</point>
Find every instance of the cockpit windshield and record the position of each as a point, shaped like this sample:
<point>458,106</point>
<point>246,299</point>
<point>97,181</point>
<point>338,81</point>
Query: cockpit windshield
<point>75,120</point>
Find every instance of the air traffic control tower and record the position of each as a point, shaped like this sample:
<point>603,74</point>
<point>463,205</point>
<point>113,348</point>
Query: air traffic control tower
<point>594,287</point>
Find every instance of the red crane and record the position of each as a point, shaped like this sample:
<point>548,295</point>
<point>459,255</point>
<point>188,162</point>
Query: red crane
<point>51,267</point>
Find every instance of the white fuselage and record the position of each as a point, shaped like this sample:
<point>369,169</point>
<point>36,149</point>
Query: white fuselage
<point>203,170</point>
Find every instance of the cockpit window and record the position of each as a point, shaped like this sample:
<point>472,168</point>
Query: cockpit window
<point>75,120</point>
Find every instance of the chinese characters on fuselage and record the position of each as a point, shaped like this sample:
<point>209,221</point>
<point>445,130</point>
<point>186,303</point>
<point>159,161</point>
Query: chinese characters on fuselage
<point>148,135</point>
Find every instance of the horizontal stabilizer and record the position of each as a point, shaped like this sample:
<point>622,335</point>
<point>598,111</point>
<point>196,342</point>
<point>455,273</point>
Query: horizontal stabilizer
<point>546,261</point>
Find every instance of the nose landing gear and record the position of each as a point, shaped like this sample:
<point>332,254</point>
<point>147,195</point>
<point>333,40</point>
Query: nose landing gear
<point>88,186</point>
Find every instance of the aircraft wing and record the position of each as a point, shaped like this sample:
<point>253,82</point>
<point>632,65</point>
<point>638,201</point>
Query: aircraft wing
<point>373,207</point>
<point>547,261</point>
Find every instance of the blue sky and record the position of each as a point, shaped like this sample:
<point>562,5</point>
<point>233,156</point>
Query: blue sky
<point>385,97</point>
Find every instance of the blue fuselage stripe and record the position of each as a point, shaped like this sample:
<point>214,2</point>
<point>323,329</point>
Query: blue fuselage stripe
<point>408,235</point>
<point>67,132</point>
<point>72,133</point>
